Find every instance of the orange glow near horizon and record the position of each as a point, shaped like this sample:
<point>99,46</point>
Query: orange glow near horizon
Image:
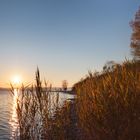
<point>17,78</point>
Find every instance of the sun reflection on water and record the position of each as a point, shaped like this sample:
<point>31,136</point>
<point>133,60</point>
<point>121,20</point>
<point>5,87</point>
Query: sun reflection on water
<point>13,120</point>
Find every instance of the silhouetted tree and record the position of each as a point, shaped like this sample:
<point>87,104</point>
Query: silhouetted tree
<point>135,38</point>
<point>64,85</point>
<point>109,66</point>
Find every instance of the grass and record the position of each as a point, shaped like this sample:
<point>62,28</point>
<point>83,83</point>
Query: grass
<point>107,107</point>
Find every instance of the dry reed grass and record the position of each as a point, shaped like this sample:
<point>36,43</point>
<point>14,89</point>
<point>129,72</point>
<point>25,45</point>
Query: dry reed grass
<point>108,105</point>
<point>39,114</point>
<point>107,108</point>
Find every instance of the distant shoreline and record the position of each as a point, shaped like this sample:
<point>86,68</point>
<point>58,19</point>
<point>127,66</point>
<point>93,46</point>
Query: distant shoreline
<point>65,92</point>
<point>4,88</point>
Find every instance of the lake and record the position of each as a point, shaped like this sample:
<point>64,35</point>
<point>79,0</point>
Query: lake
<point>8,118</point>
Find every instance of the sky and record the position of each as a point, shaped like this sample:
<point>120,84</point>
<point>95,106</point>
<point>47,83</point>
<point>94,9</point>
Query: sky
<point>64,38</point>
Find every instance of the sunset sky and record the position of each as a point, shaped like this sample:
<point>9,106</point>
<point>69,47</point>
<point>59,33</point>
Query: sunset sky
<point>64,38</point>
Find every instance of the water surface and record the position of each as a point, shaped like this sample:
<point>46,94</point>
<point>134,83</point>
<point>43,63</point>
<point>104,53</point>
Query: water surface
<point>8,117</point>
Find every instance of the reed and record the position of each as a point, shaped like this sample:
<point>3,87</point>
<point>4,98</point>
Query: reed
<point>39,114</point>
<point>108,105</point>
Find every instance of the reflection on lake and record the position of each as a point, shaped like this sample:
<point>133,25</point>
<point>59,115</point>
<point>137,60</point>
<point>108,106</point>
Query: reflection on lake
<point>8,116</point>
<point>13,121</point>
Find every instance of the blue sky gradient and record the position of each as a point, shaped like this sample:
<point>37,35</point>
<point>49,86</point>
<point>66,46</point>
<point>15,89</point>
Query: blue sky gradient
<point>65,38</point>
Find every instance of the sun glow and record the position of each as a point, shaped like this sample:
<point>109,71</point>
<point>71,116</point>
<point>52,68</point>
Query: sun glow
<point>16,80</point>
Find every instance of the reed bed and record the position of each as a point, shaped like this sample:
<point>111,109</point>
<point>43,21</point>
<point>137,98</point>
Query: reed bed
<point>108,105</point>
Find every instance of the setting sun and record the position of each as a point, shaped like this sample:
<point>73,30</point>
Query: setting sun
<point>16,80</point>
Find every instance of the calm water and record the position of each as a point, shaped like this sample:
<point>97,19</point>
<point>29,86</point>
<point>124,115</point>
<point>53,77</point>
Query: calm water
<point>8,118</point>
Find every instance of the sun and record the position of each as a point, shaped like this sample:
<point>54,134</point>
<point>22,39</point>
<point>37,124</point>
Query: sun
<point>16,80</point>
